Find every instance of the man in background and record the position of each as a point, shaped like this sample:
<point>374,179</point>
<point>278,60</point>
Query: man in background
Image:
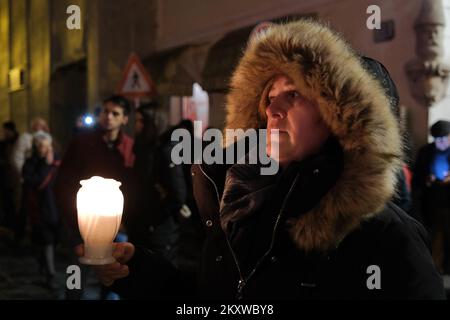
<point>431,192</point>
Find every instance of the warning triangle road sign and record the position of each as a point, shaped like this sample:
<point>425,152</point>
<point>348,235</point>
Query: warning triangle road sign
<point>136,82</point>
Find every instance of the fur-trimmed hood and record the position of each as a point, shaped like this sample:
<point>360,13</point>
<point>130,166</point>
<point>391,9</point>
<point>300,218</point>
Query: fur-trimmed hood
<point>353,104</point>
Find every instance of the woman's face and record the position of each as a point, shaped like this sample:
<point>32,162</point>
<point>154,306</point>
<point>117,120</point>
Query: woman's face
<point>43,147</point>
<point>301,129</point>
<point>139,123</point>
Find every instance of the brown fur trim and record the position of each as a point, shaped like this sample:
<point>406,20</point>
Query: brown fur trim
<point>353,104</point>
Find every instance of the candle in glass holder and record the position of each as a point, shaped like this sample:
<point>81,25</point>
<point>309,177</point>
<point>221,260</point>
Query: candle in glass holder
<point>100,207</point>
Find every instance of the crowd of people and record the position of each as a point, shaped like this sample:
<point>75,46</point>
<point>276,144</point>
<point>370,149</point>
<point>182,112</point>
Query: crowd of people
<point>39,189</point>
<point>340,156</point>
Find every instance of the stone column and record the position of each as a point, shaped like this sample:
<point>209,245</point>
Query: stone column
<point>5,111</point>
<point>19,59</point>
<point>39,57</point>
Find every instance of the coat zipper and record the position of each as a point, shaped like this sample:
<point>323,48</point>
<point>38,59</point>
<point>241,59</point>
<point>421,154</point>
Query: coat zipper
<point>241,278</point>
<point>242,282</point>
<point>273,234</point>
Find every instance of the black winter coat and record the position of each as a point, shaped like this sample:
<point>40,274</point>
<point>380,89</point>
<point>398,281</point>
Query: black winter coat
<point>260,261</point>
<point>158,195</point>
<point>428,198</point>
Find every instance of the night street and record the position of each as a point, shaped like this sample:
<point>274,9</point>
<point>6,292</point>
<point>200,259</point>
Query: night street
<point>20,278</point>
<point>227,150</point>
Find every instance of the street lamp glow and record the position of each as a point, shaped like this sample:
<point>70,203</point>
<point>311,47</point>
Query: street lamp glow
<point>100,207</point>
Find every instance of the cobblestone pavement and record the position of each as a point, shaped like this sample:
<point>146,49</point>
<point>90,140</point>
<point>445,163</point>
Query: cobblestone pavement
<point>20,278</point>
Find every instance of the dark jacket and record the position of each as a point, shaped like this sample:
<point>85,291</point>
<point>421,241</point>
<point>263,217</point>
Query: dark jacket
<point>159,191</point>
<point>402,198</point>
<point>39,200</point>
<point>8,182</point>
<point>322,228</point>
<point>426,196</point>
<point>7,176</point>
<point>271,266</point>
<point>89,155</point>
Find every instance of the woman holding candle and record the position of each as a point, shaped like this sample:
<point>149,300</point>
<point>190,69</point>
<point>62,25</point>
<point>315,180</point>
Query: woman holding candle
<point>323,227</point>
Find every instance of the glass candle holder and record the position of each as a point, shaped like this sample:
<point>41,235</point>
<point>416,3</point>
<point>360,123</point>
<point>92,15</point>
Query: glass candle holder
<point>100,207</point>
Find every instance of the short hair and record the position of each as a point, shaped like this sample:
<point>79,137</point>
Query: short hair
<point>120,101</point>
<point>186,124</point>
<point>155,119</point>
<point>41,123</point>
<point>41,136</point>
<point>440,128</point>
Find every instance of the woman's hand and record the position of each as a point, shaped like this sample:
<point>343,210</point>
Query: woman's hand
<point>107,274</point>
